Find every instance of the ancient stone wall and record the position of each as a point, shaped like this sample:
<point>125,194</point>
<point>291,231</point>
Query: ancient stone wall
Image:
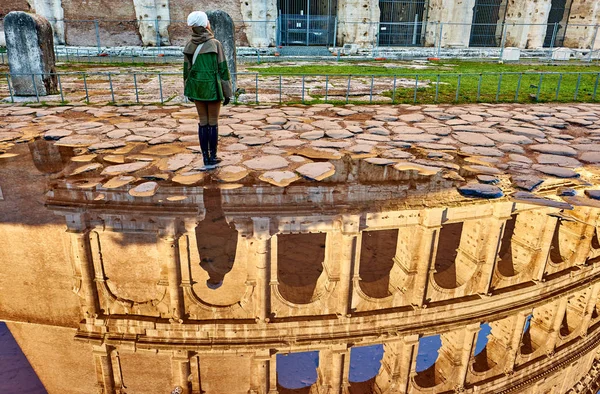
<point>526,23</point>
<point>583,12</point>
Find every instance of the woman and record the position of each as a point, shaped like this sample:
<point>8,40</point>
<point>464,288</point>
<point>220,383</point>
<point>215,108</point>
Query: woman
<point>206,81</point>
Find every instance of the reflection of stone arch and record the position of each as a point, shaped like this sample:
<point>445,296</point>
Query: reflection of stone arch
<point>456,259</point>
<point>112,298</point>
<point>377,252</point>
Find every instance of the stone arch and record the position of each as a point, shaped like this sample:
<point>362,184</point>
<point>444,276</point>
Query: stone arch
<point>378,249</point>
<point>297,370</point>
<point>300,265</point>
<point>482,354</point>
<point>365,363</point>
<point>574,314</point>
<point>427,375</point>
<point>457,243</point>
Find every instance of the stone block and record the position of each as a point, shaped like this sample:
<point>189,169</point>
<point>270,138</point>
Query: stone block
<point>511,54</point>
<point>224,30</point>
<point>31,60</point>
<point>561,54</point>
<point>2,39</point>
<point>349,49</point>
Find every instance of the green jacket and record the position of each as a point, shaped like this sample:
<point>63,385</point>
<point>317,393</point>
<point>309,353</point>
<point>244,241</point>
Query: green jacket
<point>207,79</point>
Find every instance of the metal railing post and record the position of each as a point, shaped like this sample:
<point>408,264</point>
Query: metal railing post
<point>553,40</point>
<point>439,49</point>
<point>503,41</point>
<point>593,43</point>
<point>97,28</point>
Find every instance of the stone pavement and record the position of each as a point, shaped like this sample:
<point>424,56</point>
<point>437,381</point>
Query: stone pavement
<point>486,150</point>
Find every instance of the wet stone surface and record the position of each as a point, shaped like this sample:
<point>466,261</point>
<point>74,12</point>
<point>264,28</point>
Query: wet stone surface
<point>484,149</point>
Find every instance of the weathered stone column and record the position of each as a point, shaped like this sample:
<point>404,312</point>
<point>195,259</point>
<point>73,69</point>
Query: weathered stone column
<point>80,242</point>
<point>358,22</point>
<point>446,12</point>
<point>263,373</point>
<point>104,368</point>
<point>526,23</point>
<point>260,245</point>
<point>334,367</point>
<point>153,20</point>
<point>53,11</point>
<point>169,247</point>
<point>181,370</point>
<point>583,12</point>
<point>398,360</point>
<point>31,58</point>
<point>260,22</point>
<point>224,29</point>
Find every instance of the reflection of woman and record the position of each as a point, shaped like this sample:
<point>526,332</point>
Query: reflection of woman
<point>216,239</point>
<point>206,81</point>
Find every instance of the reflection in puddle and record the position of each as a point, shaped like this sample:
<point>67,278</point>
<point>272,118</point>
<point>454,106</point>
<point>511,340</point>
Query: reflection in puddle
<point>364,284</point>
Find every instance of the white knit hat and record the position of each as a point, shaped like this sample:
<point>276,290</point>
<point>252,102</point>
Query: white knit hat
<point>197,19</point>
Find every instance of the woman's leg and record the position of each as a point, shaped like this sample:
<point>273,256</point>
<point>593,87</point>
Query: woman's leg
<point>202,108</point>
<point>213,107</point>
<point>203,132</point>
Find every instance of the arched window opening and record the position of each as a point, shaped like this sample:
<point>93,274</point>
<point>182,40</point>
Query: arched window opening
<point>376,261</point>
<point>297,370</point>
<point>365,362</point>
<point>300,260</point>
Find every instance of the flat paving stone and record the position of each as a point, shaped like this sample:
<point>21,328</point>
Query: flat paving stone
<point>411,118</point>
<point>527,182</point>
<point>279,178</point>
<point>481,191</point>
<point>313,135</point>
<point>558,172</point>
<point>558,160</point>
<point>554,149</point>
<point>481,151</point>
<point>474,139</point>
<point>268,162</point>
<point>316,171</point>
<point>339,134</point>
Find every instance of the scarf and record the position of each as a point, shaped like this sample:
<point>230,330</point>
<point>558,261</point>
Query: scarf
<point>200,35</point>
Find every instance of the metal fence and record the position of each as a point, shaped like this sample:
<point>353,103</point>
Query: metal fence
<point>316,37</point>
<point>254,88</point>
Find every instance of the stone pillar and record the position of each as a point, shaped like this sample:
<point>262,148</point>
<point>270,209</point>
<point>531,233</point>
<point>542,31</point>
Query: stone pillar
<point>263,373</point>
<point>495,230</point>
<point>31,58</point>
<point>224,29</point>
<point>470,335</point>
<point>358,22</point>
<point>345,248</point>
<point>53,11</point>
<point>260,247</point>
<point>589,309</point>
<point>153,21</point>
<point>169,247</point>
<point>80,243</point>
<point>445,12</point>
<point>559,314</point>
<point>583,12</point>
<point>181,371</point>
<point>104,368</point>
<point>526,23</point>
<point>260,19</point>
<point>423,252</point>
<point>334,367</point>
<point>513,350</point>
<point>545,243</point>
<point>398,360</point>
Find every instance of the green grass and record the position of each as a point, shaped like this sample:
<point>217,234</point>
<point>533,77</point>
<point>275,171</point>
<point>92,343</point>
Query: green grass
<point>479,81</point>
